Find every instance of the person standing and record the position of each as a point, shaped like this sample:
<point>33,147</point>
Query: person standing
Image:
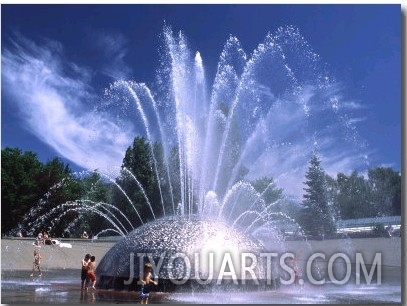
<point>146,281</point>
<point>37,263</point>
<point>91,273</point>
<point>84,271</point>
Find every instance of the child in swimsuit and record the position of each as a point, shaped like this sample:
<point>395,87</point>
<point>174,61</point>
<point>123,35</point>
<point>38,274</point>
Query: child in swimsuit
<point>146,283</point>
<point>37,263</point>
<point>91,273</point>
<point>84,270</point>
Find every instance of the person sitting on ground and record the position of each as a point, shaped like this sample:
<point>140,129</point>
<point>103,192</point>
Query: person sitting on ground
<point>39,240</point>
<point>146,281</point>
<point>85,235</point>
<point>390,230</point>
<point>47,239</point>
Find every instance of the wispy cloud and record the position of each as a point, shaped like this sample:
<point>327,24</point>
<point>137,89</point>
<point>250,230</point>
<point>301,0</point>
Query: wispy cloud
<point>352,105</point>
<point>57,105</point>
<point>113,48</point>
<point>357,120</point>
<point>54,99</point>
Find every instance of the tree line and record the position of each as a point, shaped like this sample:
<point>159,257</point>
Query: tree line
<point>327,199</point>
<point>32,191</point>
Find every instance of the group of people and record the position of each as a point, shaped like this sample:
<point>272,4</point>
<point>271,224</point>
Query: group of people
<point>88,276</point>
<point>88,272</point>
<point>43,238</point>
<point>40,240</point>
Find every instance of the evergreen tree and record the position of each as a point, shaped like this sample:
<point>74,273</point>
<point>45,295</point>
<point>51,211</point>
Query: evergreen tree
<point>94,190</point>
<point>140,184</point>
<point>165,192</point>
<point>268,189</point>
<point>135,181</point>
<point>317,217</point>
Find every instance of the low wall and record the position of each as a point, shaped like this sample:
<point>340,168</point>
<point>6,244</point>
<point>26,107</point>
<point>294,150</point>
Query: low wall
<point>389,248</point>
<point>17,253</point>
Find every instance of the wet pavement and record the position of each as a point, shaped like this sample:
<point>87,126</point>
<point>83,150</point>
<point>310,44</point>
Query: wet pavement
<point>63,287</point>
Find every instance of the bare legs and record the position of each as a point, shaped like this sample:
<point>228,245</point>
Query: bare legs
<point>39,270</point>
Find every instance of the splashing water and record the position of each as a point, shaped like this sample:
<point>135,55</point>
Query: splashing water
<point>263,115</point>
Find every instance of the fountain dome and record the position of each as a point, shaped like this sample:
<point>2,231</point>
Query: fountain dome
<point>184,250</point>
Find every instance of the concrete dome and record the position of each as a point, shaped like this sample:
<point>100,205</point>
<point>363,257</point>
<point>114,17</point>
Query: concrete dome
<point>183,253</point>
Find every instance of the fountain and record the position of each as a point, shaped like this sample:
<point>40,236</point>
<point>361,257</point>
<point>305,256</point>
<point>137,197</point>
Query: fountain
<point>267,110</point>
<point>187,253</point>
<point>242,121</point>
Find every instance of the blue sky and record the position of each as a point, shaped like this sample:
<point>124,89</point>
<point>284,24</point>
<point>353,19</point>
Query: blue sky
<point>58,59</point>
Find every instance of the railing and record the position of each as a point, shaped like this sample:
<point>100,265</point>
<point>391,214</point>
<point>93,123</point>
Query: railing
<point>368,224</point>
<point>81,240</point>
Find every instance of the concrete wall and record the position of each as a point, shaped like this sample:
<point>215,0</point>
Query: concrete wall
<point>17,253</point>
<point>389,248</point>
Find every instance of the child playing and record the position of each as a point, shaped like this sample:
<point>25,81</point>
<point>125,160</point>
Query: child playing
<point>91,273</point>
<point>84,270</point>
<point>37,262</point>
<point>146,283</point>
